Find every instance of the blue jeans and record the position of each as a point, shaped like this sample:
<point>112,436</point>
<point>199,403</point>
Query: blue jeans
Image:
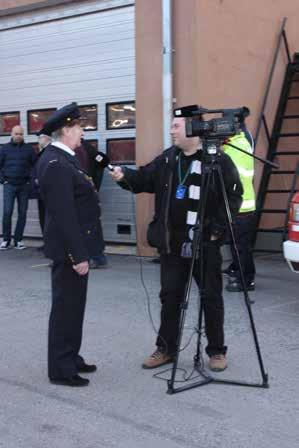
<point>10,193</point>
<point>100,259</point>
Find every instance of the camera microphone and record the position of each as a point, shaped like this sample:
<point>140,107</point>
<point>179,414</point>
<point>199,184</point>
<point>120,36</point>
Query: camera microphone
<point>104,161</point>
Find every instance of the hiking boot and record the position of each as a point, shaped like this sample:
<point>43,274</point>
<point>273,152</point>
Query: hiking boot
<point>218,362</point>
<point>4,245</point>
<point>157,359</point>
<point>235,286</point>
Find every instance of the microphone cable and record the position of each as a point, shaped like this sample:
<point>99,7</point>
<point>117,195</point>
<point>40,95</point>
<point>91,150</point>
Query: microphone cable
<point>142,279</point>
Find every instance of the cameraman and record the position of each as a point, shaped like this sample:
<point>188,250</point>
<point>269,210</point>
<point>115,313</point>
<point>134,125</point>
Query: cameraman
<point>175,178</point>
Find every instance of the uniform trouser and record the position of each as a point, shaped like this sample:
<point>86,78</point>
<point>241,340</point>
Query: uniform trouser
<point>174,277</point>
<point>10,194</point>
<point>244,225</point>
<point>98,255</point>
<point>66,320</point>
<point>41,214</point>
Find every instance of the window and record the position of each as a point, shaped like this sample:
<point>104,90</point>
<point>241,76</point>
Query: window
<point>89,114</point>
<point>7,121</point>
<point>121,115</point>
<point>37,118</point>
<point>121,150</point>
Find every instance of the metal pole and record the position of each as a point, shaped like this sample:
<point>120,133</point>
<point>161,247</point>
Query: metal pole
<point>167,70</point>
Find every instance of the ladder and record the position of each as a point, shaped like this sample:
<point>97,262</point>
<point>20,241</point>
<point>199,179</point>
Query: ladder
<point>278,186</point>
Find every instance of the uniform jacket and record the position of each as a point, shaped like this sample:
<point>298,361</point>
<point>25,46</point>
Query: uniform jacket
<point>16,162</point>
<point>72,229</point>
<point>157,177</point>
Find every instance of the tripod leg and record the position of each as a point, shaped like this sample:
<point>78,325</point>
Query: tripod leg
<point>197,243</point>
<point>243,283</point>
<point>205,189</point>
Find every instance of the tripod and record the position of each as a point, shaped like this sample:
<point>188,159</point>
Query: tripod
<point>211,168</point>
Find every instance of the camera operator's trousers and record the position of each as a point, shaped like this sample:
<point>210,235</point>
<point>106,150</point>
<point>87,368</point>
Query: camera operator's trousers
<point>174,277</point>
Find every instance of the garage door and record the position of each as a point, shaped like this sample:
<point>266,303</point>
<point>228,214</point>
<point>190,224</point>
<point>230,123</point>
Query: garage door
<point>83,53</point>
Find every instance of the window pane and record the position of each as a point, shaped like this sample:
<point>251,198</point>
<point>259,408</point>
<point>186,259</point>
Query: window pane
<point>90,117</point>
<point>121,151</point>
<point>37,118</point>
<point>121,115</point>
<point>7,121</point>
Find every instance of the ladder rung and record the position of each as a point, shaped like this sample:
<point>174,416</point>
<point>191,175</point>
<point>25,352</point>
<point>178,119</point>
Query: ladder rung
<point>271,230</point>
<point>268,251</point>
<point>280,191</point>
<point>286,153</point>
<point>289,134</point>
<point>273,210</point>
<point>290,117</point>
<point>283,172</point>
<point>293,97</point>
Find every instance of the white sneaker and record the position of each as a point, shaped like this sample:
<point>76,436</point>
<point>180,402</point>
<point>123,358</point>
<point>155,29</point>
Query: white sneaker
<point>20,246</point>
<point>4,245</point>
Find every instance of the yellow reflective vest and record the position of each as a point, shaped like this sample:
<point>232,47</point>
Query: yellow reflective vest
<point>245,167</point>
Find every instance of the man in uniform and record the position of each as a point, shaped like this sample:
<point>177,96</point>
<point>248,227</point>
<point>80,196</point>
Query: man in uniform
<point>175,179</point>
<point>70,233</point>
<point>87,156</point>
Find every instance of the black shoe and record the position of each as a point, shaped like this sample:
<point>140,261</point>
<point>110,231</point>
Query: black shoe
<point>235,286</point>
<point>230,272</point>
<point>87,368</point>
<point>72,381</point>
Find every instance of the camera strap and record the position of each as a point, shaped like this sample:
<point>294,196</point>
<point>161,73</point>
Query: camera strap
<point>181,188</point>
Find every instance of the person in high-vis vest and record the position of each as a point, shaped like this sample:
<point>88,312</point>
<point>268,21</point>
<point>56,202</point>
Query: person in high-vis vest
<point>244,223</point>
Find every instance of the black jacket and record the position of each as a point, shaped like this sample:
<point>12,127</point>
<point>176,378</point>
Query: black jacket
<point>157,177</point>
<point>72,230</point>
<point>16,162</point>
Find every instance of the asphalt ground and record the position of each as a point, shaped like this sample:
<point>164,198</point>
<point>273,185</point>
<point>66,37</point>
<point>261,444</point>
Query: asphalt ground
<point>125,406</point>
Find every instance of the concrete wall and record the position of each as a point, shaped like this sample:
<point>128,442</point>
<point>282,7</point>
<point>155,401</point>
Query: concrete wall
<point>223,51</point>
<point>149,132</point>
<point>15,6</point>
<point>7,4</point>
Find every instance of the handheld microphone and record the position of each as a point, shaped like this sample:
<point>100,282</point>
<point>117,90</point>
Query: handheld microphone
<point>104,161</point>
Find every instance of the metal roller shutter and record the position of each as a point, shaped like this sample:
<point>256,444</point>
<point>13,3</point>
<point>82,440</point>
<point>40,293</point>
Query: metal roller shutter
<point>63,55</point>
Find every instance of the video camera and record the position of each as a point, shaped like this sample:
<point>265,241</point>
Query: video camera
<point>225,126</point>
<point>215,131</point>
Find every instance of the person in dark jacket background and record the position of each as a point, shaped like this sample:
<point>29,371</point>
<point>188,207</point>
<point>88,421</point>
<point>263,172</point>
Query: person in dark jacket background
<point>43,142</point>
<point>175,179</point>
<point>86,154</point>
<point>16,161</point>
<point>71,232</point>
